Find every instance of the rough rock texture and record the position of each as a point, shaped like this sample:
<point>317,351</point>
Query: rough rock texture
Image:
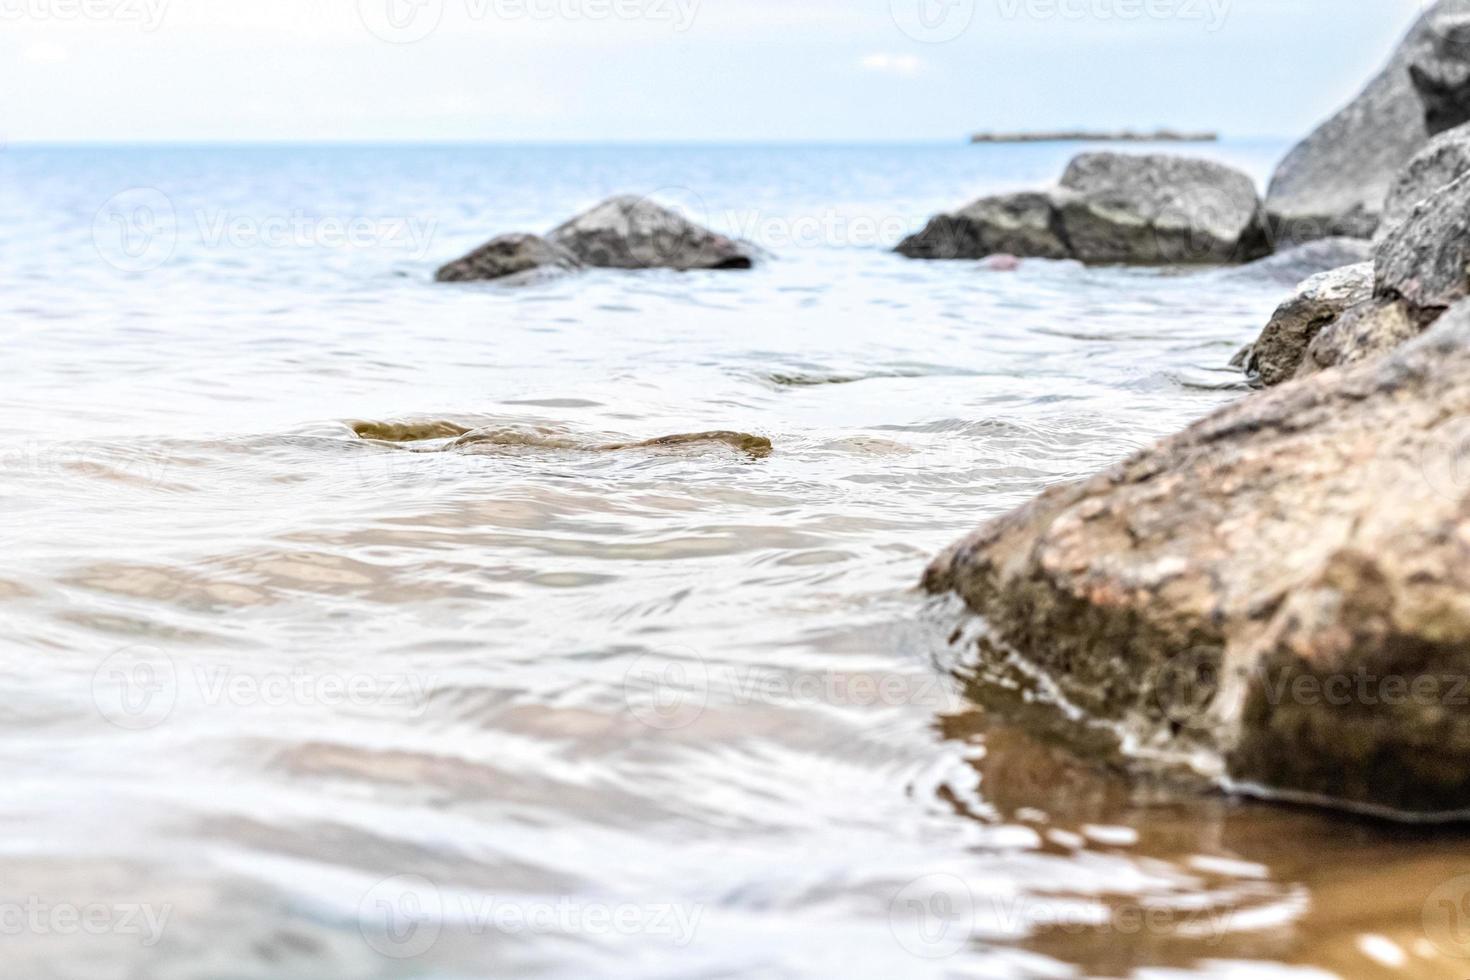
<point>1363,331</point>
<point>1440,73</point>
<point>1445,160</point>
<point>635,233</point>
<point>1292,266</point>
<point>1007,224</point>
<point>1334,182</point>
<point>1111,208</point>
<point>1156,209</point>
<point>1286,582</point>
<point>1318,302</point>
<point>508,255</point>
<point>1424,259</point>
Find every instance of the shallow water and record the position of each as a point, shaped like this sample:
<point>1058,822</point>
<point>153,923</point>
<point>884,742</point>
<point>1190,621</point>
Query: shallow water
<point>285,702</point>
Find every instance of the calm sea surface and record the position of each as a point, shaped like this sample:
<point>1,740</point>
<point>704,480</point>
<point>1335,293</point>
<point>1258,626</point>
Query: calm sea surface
<point>281,702</point>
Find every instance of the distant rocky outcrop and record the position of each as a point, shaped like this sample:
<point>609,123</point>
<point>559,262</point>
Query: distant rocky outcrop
<point>1335,181</point>
<point>1098,136</point>
<point>1277,595</point>
<point>1110,208</point>
<point>624,232</point>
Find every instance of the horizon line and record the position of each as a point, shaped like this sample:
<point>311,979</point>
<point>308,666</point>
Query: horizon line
<point>561,142</point>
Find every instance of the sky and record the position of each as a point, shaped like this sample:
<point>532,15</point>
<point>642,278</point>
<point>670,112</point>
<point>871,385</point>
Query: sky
<point>677,70</point>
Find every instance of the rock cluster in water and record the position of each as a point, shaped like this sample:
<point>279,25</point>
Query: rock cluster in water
<point>1147,209</point>
<point>620,233</point>
<point>1284,587</point>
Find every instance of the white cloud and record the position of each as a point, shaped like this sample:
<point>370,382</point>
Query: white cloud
<point>893,64</point>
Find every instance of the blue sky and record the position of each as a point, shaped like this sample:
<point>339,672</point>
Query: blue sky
<point>594,70</point>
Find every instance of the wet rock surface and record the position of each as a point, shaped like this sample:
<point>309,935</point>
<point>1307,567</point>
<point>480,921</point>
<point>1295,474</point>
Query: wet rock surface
<point>1283,586</point>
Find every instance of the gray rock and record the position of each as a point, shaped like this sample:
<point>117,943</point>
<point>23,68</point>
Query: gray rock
<point>630,232</point>
<point>1156,209</point>
<point>1335,181</point>
<point>1424,259</point>
<point>1445,160</point>
<point>1440,73</point>
<point>1113,208</point>
<point>1364,331</point>
<point>1317,303</point>
<point>1279,595</point>
<point>508,255</point>
<point>1023,224</point>
<point>1292,266</point>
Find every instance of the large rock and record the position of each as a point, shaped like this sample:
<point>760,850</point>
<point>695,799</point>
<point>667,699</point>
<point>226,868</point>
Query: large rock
<point>508,255</point>
<point>1421,265</point>
<point>1159,210</point>
<point>1425,259</point>
<point>1007,224</point>
<point>1278,353</point>
<point>1445,160</point>
<point>1362,332</point>
<point>1279,595</point>
<point>1334,182</point>
<point>1440,72</point>
<point>635,233</point>
<point>1111,208</point>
